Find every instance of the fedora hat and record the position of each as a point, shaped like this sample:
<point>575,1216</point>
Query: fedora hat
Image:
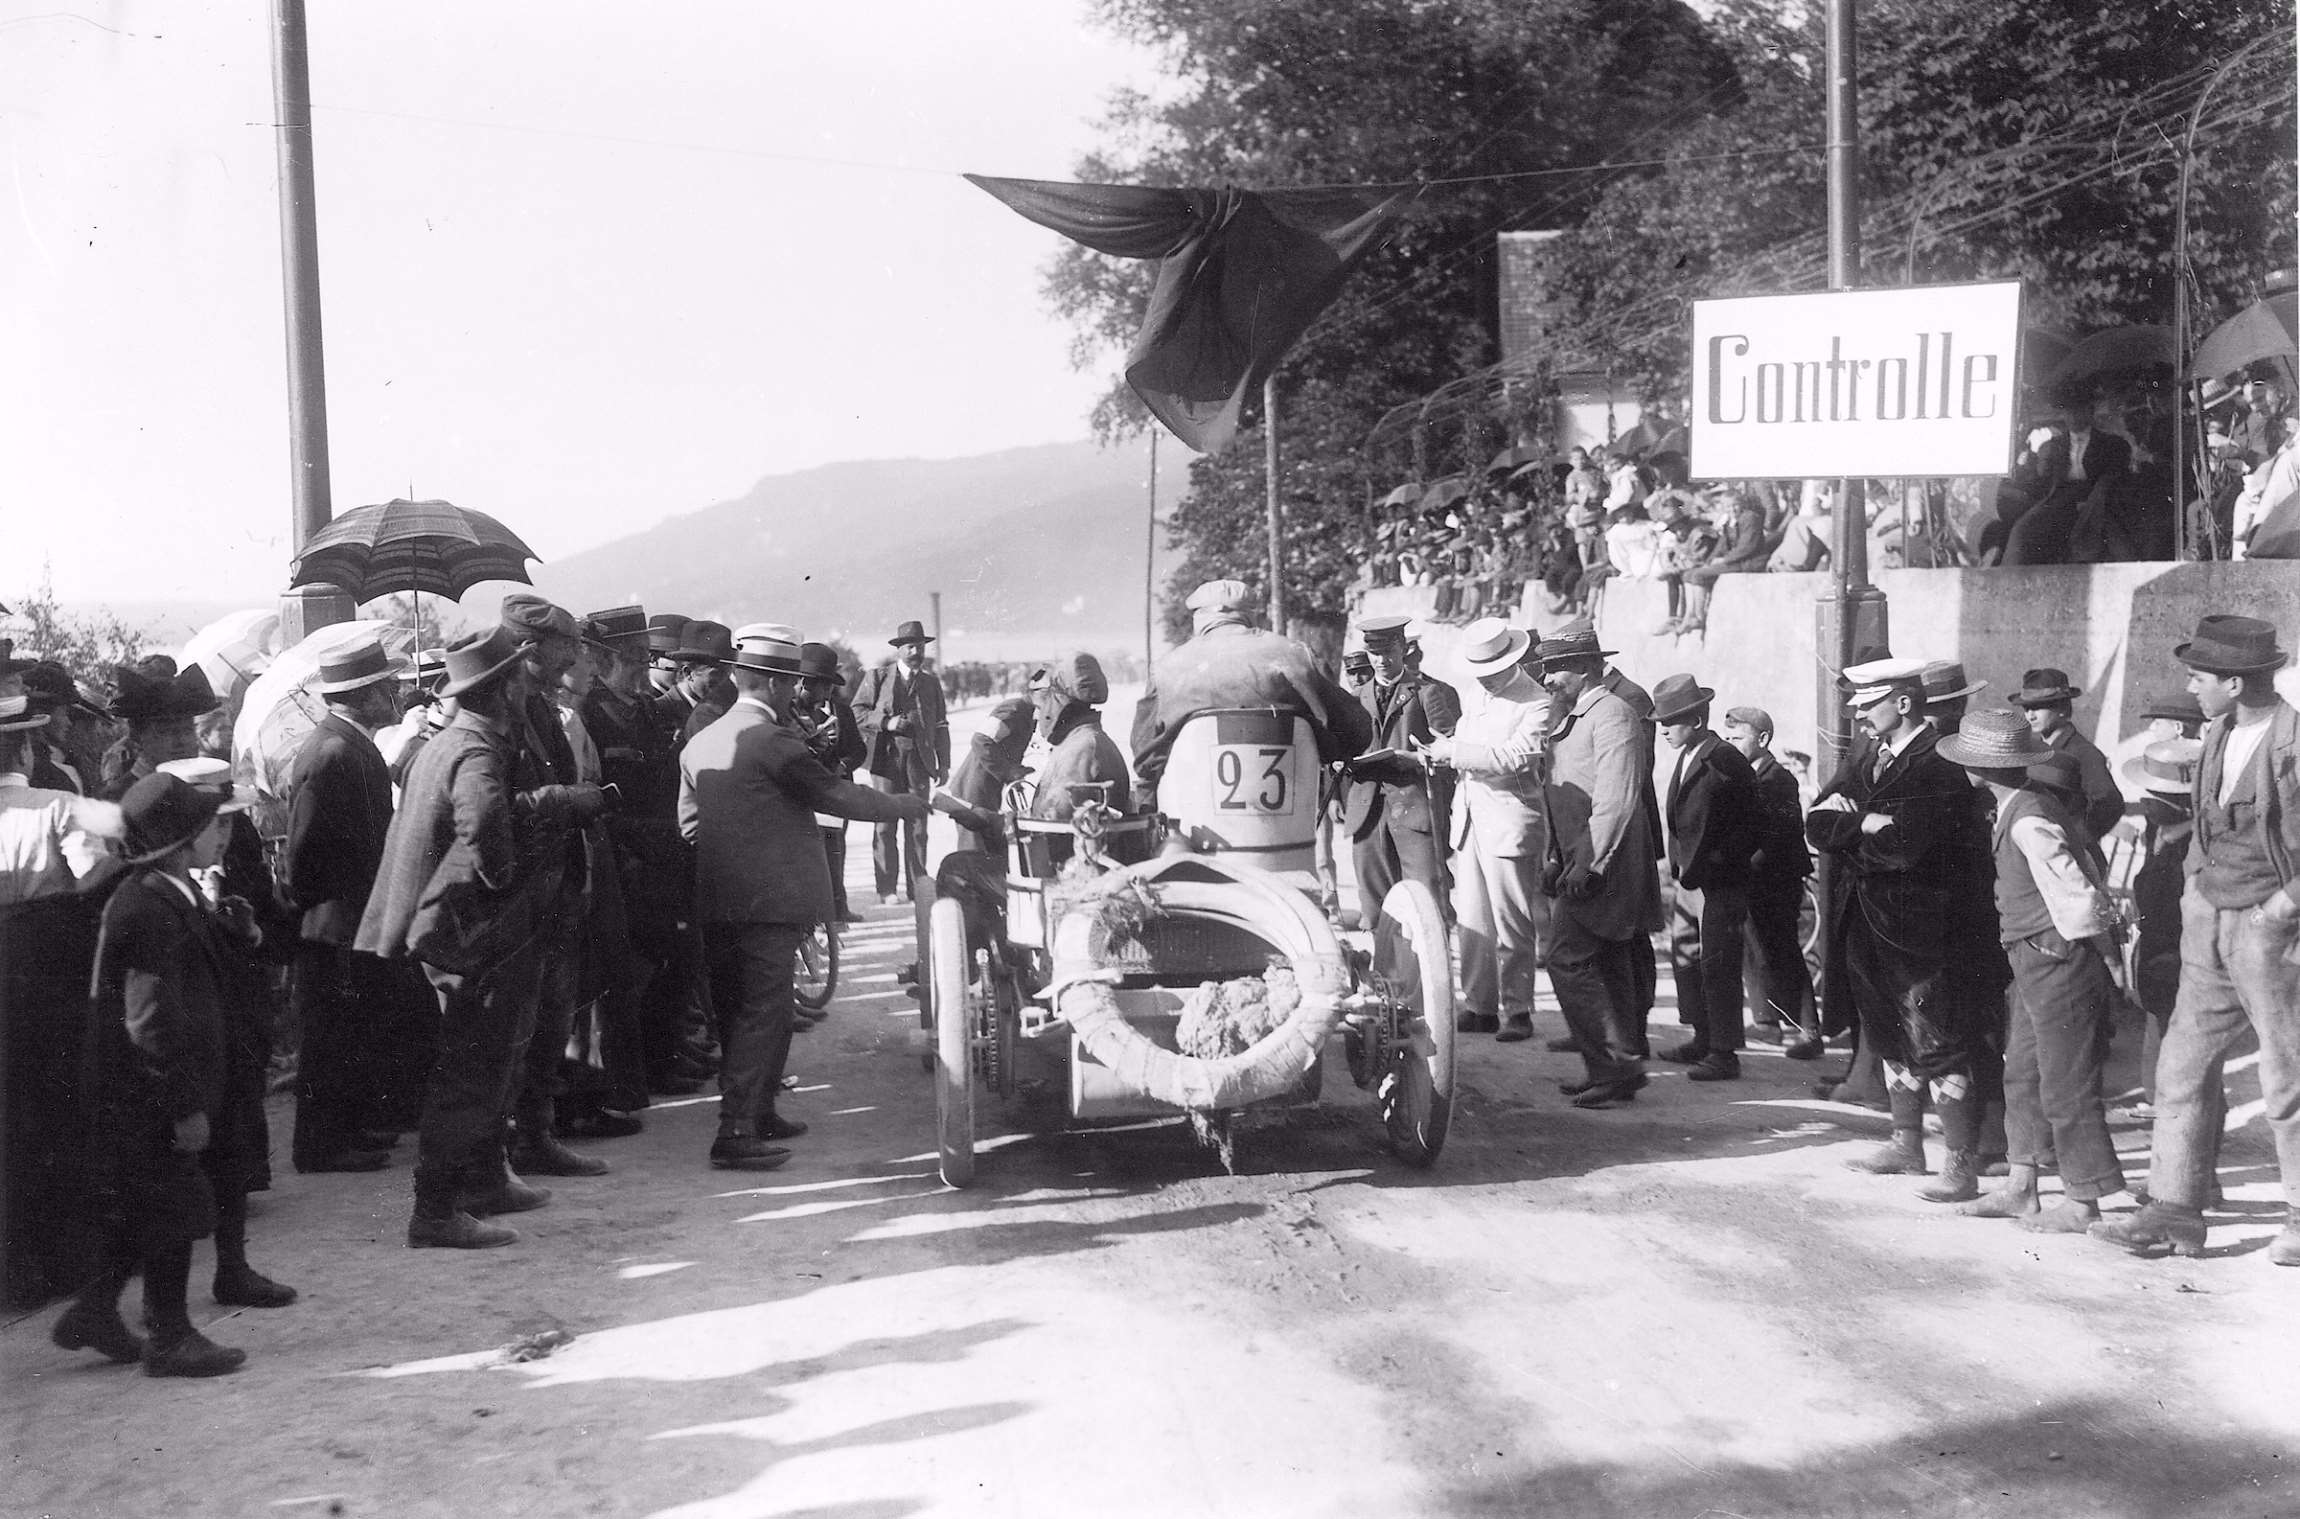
<point>1576,640</point>
<point>911,632</point>
<point>162,813</point>
<point>819,661</point>
<point>1995,741</point>
<point>1944,680</point>
<point>1489,646</point>
<point>2166,767</point>
<point>17,716</point>
<point>2044,687</point>
<point>363,664</point>
<point>769,646</point>
<point>2179,707</point>
<point>663,630</point>
<point>705,642</point>
<point>138,697</point>
<point>2228,645</point>
<point>50,685</point>
<point>1678,697</point>
<point>476,659</point>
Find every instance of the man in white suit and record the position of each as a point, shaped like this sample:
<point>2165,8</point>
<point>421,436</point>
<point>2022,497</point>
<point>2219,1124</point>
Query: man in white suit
<point>1499,830</point>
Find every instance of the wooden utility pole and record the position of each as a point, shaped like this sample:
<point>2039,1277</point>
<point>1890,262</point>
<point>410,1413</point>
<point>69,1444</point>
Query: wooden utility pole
<point>1270,488</point>
<point>1150,565</point>
<point>934,599</point>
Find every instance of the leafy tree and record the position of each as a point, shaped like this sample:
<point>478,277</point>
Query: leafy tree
<point>87,645</point>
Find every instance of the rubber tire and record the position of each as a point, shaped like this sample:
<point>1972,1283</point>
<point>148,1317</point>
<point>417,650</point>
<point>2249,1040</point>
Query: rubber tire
<point>816,1001</point>
<point>1416,1092</point>
<point>922,903</point>
<point>949,969</point>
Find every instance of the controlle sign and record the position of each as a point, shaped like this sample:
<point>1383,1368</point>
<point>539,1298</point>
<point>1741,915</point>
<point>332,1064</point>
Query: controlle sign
<point>1919,381</point>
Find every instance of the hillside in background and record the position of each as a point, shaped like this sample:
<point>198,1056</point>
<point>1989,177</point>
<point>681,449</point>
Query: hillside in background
<point>1032,549</point>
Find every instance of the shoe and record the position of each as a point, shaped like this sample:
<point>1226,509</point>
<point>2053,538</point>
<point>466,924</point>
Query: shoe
<point>781,1128</point>
<point>98,1329</point>
<point>512,1196</point>
<point>601,1123</point>
<point>908,975</point>
<point>247,1288</point>
<point>1959,1182</point>
<point>543,1155</point>
<point>849,915</point>
<point>1807,1048</point>
<point>743,1153</point>
<point>346,1160</point>
<point>1691,1052</point>
<point>2284,1249</point>
<point>458,1231</point>
<point>195,1355</point>
<point>1605,1094</point>
<point>1476,1023</point>
<point>1516,1031</point>
<point>1902,1155</point>
<point>1565,1046</point>
<point>890,899</point>
<point>2157,1229</point>
<point>1722,1066</point>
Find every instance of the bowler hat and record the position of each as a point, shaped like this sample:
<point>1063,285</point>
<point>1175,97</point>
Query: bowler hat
<point>911,632</point>
<point>1489,646</point>
<point>163,812</point>
<point>363,664</point>
<point>819,661</point>
<point>2166,767</point>
<point>476,659</point>
<point>2228,645</point>
<point>533,618</point>
<point>705,642</point>
<point>1944,681</point>
<point>1678,697</point>
<point>2044,687</point>
<point>138,697</point>
<point>769,646</point>
<point>1576,640</point>
<point>1996,740</point>
<point>663,630</point>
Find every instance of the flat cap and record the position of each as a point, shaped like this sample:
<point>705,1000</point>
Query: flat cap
<point>531,617</point>
<point>1218,596</point>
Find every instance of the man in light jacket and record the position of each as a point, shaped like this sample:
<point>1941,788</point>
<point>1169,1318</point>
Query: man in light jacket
<point>1499,831</point>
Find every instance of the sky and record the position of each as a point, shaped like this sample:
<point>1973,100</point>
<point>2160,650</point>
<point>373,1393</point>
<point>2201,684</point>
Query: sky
<point>583,266</point>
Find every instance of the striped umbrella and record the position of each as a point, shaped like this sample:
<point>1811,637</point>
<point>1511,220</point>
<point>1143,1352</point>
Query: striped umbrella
<point>433,546</point>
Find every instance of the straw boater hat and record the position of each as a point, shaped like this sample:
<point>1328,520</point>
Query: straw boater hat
<point>162,812</point>
<point>912,631</point>
<point>1996,741</point>
<point>17,716</point>
<point>1489,646</point>
<point>2226,645</point>
<point>1678,697</point>
<point>210,775</point>
<point>772,647</point>
<point>2045,687</point>
<point>476,659</point>
<point>1876,679</point>
<point>1944,681</point>
<point>356,668</point>
<point>2166,767</point>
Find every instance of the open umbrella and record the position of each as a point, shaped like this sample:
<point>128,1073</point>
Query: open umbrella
<point>416,546</point>
<point>2268,329</point>
<point>2115,349</point>
<point>234,649</point>
<point>1442,493</point>
<point>1512,458</point>
<point>1404,495</point>
<point>283,705</point>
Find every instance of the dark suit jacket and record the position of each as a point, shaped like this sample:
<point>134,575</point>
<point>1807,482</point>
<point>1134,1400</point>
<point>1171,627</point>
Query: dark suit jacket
<point>1898,885</point>
<point>1715,817</point>
<point>454,848</point>
<point>339,810</point>
<point>1782,858</point>
<point>158,1040</point>
<point>922,749</point>
<point>1397,787</point>
<point>749,789</point>
<point>2103,800</point>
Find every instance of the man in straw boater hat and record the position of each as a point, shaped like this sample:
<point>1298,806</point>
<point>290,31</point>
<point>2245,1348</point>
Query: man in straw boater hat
<point>1599,869</point>
<point>1500,830</point>
<point>1715,823</point>
<point>900,711</point>
<point>1887,821</point>
<point>2057,925</point>
<point>2048,699</point>
<point>749,790</point>
<point>167,1141</point>
<point>2239,940</point>
<point>470,868</point>
<point>339,810</point>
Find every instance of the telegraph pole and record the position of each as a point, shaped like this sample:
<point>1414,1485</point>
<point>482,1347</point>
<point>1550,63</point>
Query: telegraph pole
<point>1270,489</point>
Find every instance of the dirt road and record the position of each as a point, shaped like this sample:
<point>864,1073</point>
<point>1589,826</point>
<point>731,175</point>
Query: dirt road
<point>1683,1307</point>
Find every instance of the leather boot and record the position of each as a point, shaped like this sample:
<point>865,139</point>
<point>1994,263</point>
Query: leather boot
<point>98,1326</point>
<point>2159,1228</point>
<point>1902,1155</point>
<point>494,1188</point>
<point>1960,1180</point>
<point>438,1224</point>
<point>536,1150</point>
<point>1960,1126</point>
<point>191,1354</point>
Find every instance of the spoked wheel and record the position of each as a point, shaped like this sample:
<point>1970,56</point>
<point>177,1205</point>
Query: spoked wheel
<point>817,971</point>
<point>922,903</point>
<point>949,971</point>
<point>1416,1089</point>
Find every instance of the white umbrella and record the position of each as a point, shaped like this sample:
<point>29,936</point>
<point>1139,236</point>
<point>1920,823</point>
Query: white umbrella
<point>234,649</point>
<point>283,706</point>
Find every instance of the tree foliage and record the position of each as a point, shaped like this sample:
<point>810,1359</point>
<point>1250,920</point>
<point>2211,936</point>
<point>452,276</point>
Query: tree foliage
<point>86,644</point>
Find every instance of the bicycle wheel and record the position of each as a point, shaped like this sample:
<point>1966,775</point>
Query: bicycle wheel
<point>817,973</point>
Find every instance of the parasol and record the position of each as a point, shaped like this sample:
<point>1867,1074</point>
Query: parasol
<point>416,546</point>
<point>2114,349</point>
<point>234,649</point>
<point>283,706</point>
<point>2268,329</point>
<point>1510,459</point>
<point>1442,493</point>
<point>1404,495</point>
